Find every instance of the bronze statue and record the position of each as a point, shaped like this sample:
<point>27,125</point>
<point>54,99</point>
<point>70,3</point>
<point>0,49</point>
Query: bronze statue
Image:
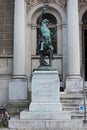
<point>44,47</point>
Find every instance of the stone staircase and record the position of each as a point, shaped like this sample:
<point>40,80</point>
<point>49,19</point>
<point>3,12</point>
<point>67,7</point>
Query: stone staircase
<point>72,102</point>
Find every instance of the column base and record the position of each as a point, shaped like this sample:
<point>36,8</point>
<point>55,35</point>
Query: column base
<point>74,84</point>
<point>17,89</point>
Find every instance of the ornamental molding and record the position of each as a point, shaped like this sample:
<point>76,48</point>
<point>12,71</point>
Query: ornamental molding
<point>82,3</point>
<point>31,3</point>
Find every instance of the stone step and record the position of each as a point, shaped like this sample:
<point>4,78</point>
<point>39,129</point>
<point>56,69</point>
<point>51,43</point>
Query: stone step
<point>71,100</point>
<point>47,129</point>
<point>16,123</point>
<point>70,108</point>
<point>59,115</point>
<point>70,104</point>
<point>64,95</point>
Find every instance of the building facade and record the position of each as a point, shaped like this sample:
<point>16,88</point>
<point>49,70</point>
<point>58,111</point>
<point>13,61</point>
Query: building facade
<point>18,43</point>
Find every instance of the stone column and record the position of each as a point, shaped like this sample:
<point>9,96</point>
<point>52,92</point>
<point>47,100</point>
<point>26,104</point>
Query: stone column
<point>34,39</point>
<point>74,81</point>
<point>64,51</point>
<point>18,85</point>
<point>82,48</point>
<point>59,39</point>
<point>19,38</point>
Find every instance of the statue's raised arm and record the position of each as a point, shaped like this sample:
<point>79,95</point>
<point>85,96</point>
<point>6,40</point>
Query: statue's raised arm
<point>41,14</point>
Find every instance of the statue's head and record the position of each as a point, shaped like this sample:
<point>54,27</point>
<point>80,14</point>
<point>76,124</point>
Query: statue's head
<point>46,21</point>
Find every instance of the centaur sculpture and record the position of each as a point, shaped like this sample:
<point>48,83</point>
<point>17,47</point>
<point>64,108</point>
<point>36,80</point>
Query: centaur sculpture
<point>44,47</point>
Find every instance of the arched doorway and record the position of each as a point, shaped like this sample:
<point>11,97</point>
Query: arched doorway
<point>84,20</point>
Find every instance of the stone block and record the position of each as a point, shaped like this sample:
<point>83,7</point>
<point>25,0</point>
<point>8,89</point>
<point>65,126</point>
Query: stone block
<point>1,6</point>
<point>8,28</point>
<point>1,19</point>
<point>5,65</point>
<point>9,20</point>
<point>10,6</point>
<point>9,36</point>
<point>45,107</point>
<point>45,92</point>
<point>74,84</point>
<point>2,35</point>
<point>45,115</point>
<point>46,124</point>
<point>27,124</point>
<point>17,89</point>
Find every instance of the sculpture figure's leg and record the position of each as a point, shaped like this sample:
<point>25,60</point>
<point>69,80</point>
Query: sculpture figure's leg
<point>42,61</point>
<point>41,58</point>
<point>49,55</point>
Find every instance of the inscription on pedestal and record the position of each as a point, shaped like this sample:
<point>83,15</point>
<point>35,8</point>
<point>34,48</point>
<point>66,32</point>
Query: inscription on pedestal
<point>45,92</point>
<point>45,89</point>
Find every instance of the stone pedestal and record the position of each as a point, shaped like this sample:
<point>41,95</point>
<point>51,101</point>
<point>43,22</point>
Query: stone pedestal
<point>74,84</point>
<point>17,90</point>
<point>45,103</point>
<point>45,92</point>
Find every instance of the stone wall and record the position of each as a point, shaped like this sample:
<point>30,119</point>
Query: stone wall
<point>6,26</point>
<point>6,47</point>
<point>6,35</point>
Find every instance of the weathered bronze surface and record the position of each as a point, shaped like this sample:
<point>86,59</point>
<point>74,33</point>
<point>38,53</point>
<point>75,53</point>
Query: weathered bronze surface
<point>44,47</point>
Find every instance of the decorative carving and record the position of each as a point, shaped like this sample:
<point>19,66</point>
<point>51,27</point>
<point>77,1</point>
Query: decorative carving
<point>31,3</point>
<point>62,3</point>
<point>82,2</point>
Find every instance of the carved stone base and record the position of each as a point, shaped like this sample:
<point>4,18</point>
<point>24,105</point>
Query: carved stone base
<point>45,92</point>
<point>74,84</point>
<point>17,90</point>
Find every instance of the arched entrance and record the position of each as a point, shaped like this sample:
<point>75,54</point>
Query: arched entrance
<point>84,20</point>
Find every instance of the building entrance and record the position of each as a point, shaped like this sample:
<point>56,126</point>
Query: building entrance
<point>85,53</point>
<point>84,20</point>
